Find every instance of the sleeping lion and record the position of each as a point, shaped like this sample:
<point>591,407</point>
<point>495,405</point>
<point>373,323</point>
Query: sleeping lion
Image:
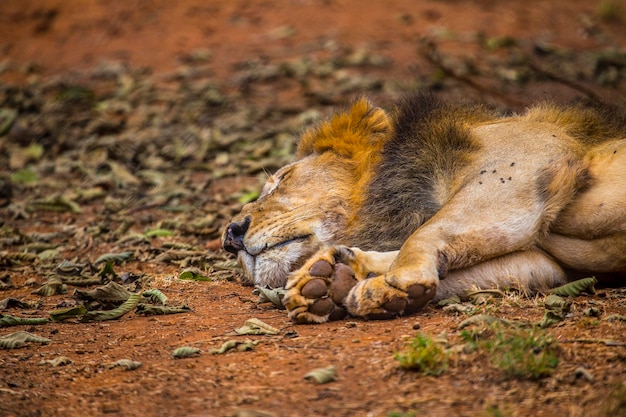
<point>384,212</point>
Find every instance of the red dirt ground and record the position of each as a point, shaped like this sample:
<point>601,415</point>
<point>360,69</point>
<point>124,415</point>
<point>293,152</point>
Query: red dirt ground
<point>45,40</point>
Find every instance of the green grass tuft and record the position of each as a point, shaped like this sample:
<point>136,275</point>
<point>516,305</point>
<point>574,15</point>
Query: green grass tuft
<point>423,354</point>
<point>610,10</point>
<point>519,353</point>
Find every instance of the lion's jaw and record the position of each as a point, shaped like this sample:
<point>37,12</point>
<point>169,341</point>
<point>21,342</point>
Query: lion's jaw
<point>271,267</point>
<point>300,209</point>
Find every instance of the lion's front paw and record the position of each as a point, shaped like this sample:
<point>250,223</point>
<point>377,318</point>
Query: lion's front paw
<point>317,291</point>
<point>376,298</point>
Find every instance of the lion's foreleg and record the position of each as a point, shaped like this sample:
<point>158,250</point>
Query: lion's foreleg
<point>527,272</point>
<point>478,224</point>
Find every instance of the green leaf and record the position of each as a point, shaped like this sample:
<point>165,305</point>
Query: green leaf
<point>575,288</point>
<point>323,375</point>
<point>256,326</point>
<point>126,364</point>
<point>8,321</point>
<point>193,274</point>
<point>155,296</point>
<point>82,281</point>
<point>116,313</point>
<point>53,286</point>
<point>109,293</point>
<point>58,361</point>
<point>55,203</point>
<point>447,301</point>
<point>67,313</point>
<point>24,176</point>
<point>152,310</point>
<point>19,339</point>
<point>7,117</point>
<point>479,297</point>
<point>226,346</point>
<point>459,308</point>
<point>159,233</point>
<point>14,302</point>
<point>48,255</point>
<point>116,258</point>
<point>549,318</point>
<point>556,303</point>
<point>242,346</point>
<point>272,295</point>
<point>185,352</point>
<point>34,151</point>
<point>107,270</point>
<point>556,309</point>
<point>68,268</point>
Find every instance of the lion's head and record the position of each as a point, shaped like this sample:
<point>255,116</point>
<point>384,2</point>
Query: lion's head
<point>311,202</point>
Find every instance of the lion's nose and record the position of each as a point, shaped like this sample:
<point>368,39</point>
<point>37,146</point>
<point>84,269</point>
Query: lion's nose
<point>233,238</point>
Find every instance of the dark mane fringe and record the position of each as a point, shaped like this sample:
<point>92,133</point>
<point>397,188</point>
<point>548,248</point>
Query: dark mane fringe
<point>431,143</point>
<point>589,122</point>
<point>605,121</point>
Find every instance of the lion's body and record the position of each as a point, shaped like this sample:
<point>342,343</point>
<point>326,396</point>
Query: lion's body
<point>435,192</point>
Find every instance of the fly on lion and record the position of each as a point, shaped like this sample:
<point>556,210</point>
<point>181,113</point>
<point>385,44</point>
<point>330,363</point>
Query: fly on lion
<point>383,212</point>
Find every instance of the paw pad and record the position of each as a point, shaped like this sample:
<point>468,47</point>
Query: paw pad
<point>416,291</point>
<point>342,283</point>
<point>315,288</point>
<point>339,313</point>
<point>380,316</point>
<point>419,296</point>
<point>321,307</point>
<point>322,294</point>
<point>321,268</point>
<point>395,305</point>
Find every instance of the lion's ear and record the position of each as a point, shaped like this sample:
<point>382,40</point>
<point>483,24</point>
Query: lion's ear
<point>363,129</point>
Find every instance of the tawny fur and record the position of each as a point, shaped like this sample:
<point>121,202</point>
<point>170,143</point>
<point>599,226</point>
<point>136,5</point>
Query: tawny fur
<point>459,191</point>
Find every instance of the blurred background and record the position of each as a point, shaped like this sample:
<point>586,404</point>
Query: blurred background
<point>189,103</point>
<point>125,98</point>
<point>139,127</point>
<point>149,102</point>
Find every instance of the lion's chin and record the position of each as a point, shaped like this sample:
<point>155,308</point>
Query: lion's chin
<point>271,268</point>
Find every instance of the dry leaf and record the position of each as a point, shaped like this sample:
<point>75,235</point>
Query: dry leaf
<point>185,352</point>
<point>256,326</point>
<point>323,375</point>
<point>19,339</point>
